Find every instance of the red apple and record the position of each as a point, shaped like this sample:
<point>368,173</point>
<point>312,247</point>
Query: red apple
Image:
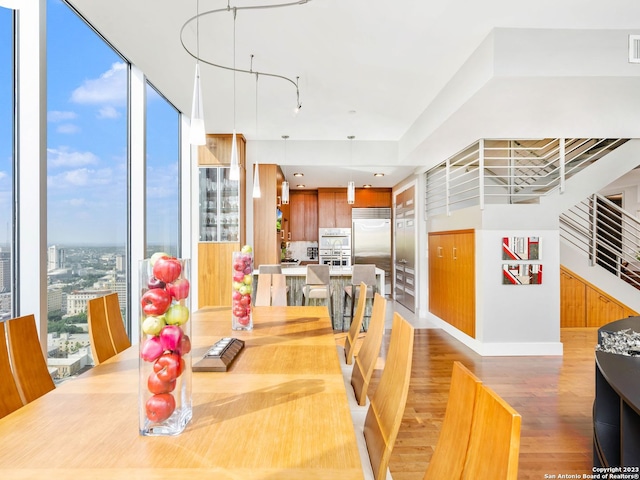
<point>170,337</point>
<point>243,320</point>
<point>156,385</point>
<point>168,367</point>
<point>179,289</point>
<point>238,276</point>
<point>184,346</point>
<point>167,269</point>
<point>160,407</point>
<point>235,295</point>
<point>151,349</point>
<point>239,311</point>
<point>245,300</point>
<point>155,301</point>
<point>155,283</point>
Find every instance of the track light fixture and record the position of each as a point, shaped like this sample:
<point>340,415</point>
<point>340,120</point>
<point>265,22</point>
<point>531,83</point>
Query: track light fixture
<point>234,9</point>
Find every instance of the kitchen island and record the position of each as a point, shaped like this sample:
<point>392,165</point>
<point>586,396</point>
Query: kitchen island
<point>340,277</point>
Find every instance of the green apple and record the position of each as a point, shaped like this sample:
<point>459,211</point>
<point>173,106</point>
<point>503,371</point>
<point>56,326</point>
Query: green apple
<point>245,289</point>
<point>246,249</point>
<point>156,256</point>
<point>176,315</point>
<point>153,325</point>
<point>248,279</point>
<point>237,285</point>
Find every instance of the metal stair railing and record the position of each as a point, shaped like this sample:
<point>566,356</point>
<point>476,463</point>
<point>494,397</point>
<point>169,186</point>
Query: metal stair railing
<point>509,171</point>
<point>608,235</point>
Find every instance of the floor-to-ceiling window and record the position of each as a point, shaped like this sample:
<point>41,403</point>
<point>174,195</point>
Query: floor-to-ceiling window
<point>87,90</point>
<point>162,174</point>
<point>7,156</point>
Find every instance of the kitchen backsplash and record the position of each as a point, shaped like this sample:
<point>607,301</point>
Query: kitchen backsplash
<point>303,251</point>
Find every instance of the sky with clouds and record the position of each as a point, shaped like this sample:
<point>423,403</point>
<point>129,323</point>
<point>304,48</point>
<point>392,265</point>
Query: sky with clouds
<point>87,139</point>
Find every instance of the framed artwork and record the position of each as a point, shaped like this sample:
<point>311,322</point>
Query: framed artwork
<point>521,274</point>
<point>520,248</point>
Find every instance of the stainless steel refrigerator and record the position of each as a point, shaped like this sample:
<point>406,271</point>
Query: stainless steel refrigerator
<point>371,239</point>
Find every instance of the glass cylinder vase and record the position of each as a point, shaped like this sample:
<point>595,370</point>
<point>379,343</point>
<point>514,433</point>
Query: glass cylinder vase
<point>165,345</point>
<point>242,288</point>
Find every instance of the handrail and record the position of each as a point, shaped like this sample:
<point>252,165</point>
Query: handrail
<point>492,171</point>
<point>607,234</point>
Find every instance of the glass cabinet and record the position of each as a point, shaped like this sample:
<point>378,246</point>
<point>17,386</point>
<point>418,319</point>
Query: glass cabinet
<point>219,205</point>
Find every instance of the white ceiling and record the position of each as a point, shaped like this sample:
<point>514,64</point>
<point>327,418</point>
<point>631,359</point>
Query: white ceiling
<point>368,68</point>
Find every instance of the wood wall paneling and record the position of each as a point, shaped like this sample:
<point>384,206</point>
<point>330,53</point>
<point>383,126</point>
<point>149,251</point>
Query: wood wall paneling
<point>214,273</point>
<point>303,223</point>
<point>266,240</point>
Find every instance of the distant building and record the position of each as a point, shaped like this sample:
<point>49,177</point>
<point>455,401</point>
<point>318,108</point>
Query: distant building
<point>5,271</point>
<point>55,298</point>
<point>55,258</point>
<point>77,301</point>
<point>120,263</point>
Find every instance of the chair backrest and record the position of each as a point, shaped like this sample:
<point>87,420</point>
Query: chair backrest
<point>275,268</point>
<point>450,453</point>
<point>101,344</point>
<point>9,396</point>
<point>263,290</point>
<point>356,325</point>
<point>278,290</point>
<point>387,405</point>
<point>119,336</point>
<point>29,364</point>
<point>365,361</point>
<point>364,273</point>
<point>318,275</point>
<point>495,435</point>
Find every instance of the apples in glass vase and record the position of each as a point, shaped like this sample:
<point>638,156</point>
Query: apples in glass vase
<point>242,288</point>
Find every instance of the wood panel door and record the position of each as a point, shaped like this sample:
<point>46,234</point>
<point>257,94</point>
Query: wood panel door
<point>303,222</point>
<point>572,301</point>
<point>326,209</point>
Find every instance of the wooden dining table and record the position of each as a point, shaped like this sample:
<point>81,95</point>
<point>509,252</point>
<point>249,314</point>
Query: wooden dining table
<point>279,412</point>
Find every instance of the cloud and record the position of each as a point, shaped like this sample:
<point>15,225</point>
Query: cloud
<point>67,128</point>
<point>55,116</point>
<point>108,112</point>
<point>81,177</point>
<point>64,157</point>
<point>109,89</point>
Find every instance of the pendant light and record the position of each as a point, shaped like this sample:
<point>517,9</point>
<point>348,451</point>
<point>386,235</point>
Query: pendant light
<point>256,172</point>
<point>197,131</point>
<point>351,186</point>
<point>234,173</point>
<point>285,184</point>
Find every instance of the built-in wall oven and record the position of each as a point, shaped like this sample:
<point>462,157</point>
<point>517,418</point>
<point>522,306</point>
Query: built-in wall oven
<point>334,247</point>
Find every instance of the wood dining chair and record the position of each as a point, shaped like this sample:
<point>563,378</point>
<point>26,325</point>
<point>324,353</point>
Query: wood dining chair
<point>386,409</point>
<point>27,358</point>
<point>106,327</point>
<point>278,290</point>
<point>318,285</point>
<point>450,453</point>
<point>263,290</point>
<point>119,336</point>
<point>356,326</point>
<point>9,395</point>
<point>494,444</point>
<point>365,361</point>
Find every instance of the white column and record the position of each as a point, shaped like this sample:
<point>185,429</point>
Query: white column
<point>137,192</point>
<point>31,149</point>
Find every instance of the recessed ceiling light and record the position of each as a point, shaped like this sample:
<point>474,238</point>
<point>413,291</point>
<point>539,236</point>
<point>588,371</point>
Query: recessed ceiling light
<point>378,174</point>
<point>298,174</point>
<point>366,186</point>
<point>300,185</point>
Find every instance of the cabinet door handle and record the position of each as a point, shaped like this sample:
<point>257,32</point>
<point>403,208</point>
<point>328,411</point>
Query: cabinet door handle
<point>278,201</point>
<point>281,234</point>
<point>439,252</point>
<point>455,253</point>
<point>288,235</point>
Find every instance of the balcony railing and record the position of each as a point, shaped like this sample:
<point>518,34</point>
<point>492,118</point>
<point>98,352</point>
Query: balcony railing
<point>509,171</point>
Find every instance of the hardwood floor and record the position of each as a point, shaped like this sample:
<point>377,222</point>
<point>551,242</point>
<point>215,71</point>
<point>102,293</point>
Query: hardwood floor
<point>554,395</point>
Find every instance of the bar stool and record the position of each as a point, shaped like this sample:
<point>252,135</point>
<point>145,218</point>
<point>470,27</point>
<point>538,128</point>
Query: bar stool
<point>318,285</point>
<point>360,273</point>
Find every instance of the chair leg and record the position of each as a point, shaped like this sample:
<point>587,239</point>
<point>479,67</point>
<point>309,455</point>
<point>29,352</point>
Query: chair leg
<point>344,308</point>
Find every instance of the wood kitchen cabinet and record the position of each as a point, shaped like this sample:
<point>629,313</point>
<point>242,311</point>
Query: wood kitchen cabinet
<point>266,238</point>
<point>373,198</point>
<point>303,215</point>
<point>584,305</point>
<point>452,278</point>
<point>214,250</point>
<point>333,209</point>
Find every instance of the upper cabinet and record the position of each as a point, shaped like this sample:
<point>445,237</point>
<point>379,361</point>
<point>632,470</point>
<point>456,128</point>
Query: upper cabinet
<point>303,215</point>
<point>372,198</point>
<point>266,237</point>
<point>333,209</point>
